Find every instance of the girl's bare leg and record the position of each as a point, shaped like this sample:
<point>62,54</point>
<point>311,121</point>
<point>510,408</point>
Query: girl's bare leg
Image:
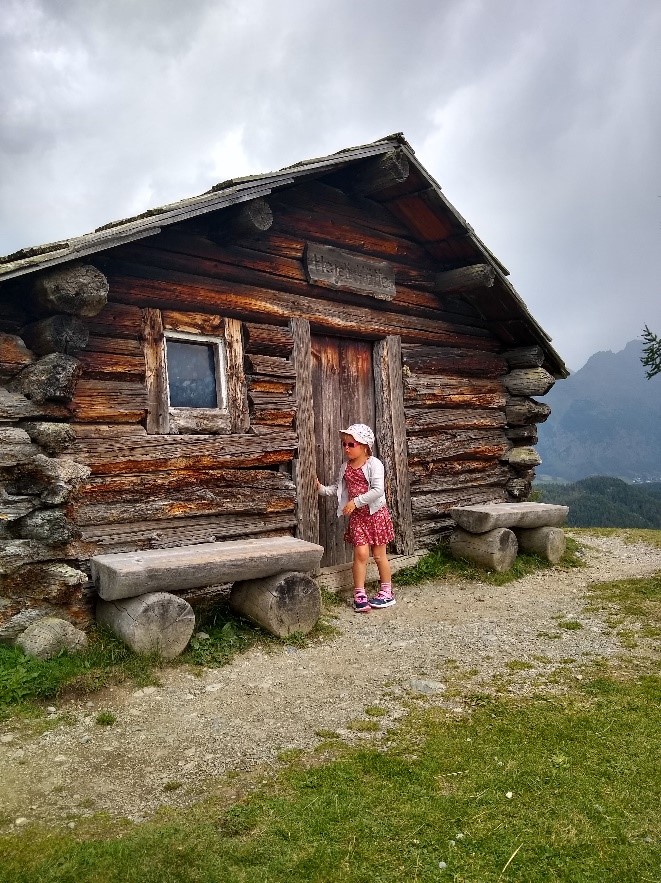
<point>361,556</point>
<point>381,558</point>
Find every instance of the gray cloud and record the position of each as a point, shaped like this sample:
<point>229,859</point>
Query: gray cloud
<point>539,120</point>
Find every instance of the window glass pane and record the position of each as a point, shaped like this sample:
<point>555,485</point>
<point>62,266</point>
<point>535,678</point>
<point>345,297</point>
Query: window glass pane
<point>191,374</point>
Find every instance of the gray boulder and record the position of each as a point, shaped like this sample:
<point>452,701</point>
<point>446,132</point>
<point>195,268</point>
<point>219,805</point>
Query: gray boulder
<point>49,636</point>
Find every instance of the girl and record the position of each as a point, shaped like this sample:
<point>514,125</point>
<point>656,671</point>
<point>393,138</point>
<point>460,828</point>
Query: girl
<point>361,496</point>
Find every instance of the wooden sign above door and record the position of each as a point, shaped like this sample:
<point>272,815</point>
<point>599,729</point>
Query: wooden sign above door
<point>342,270</point>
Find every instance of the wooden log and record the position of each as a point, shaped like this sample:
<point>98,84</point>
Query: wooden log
<point>547,542</point>
<point>454,445</point>
<point>429,390</point>
<point>247,220</point>
<point>154,287</point>
<point>433,477</point>
<point>268,340</point>
<point>157,622</point>
<point>117,321</point>
<point>56,334</point>
<point>159,485</point>
<point>196,500</point>
<point>76,289</point>
<point>419,420</point>
<point>54,438</point>
<point>494,550</point>
<point>120,346</point>
<point>378,174</point>
<point>206,564</point>
<point>105,401</point>
<point>522,434</point>
<point>16,553</point>
<point>130,454</point>
<point>528,382</point>
<point>284,604</point>
<point>112,366</point>
<point>237,393</point>
<point>425,505</point>
<point>450,360</point>
<point>391,432</point>
<point>53,377</point>
<point>483,518</point>
<point>307,511</point>
<point>522,458</point>
<point>271,366</point>
<point>465,278</point>
<point>175,532</point>
<point>525,357</point>
<point>519,488</point>
<point>14,355</point>
<point>520,411</point>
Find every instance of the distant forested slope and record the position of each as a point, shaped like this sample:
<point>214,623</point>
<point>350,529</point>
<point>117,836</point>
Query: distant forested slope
<point>603,501</point>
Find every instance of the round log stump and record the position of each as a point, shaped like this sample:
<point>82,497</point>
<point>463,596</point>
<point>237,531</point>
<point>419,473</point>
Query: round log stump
<point>496,549</point>
<point>157,622</point>
<point>282,604</point>
<point>547,542</point>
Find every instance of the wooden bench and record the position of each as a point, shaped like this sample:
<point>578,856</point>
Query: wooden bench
<point>271,586</point>
<point>492,534</point>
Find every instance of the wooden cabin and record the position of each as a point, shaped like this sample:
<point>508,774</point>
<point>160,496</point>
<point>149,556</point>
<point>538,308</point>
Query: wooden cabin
<point>181,376</point>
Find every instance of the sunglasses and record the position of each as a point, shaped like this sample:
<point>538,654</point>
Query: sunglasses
<point>350,444</point>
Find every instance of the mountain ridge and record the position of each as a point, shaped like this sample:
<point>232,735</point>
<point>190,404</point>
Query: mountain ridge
<point>605,420</point>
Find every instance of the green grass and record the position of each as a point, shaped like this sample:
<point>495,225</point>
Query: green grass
<point>439,564</point>
<point>581,772</point>
<point>24,679</point>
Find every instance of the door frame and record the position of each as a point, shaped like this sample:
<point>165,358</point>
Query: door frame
<point>390,431</point>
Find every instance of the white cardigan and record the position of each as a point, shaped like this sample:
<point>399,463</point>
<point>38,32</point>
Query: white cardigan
<point>374,497</point>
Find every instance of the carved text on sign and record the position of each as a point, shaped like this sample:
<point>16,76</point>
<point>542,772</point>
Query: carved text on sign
<point>335,268</point>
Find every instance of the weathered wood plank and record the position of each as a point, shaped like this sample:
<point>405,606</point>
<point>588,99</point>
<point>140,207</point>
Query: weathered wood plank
<point>131,454</point>
<point>237,395</point>
<point>271,366</point>
<point>449,392</point>
<point>268,340</point>
<point>305,466</point>
<point>481,518</point>
<point>420,420</point>
<point>337,268</point>
<point>109,401</point>
<point>453,445</point>
<point>525,357</point>
<point>14,355</point>
<point>205,564</point>
<point>391,432</point>
<point>170,533</point>
<point>146,286</point>
<point>117,320</point>
<point>476,473</point>
<point>452,361</point>
<point>104,365</point>
<point>152,334</point>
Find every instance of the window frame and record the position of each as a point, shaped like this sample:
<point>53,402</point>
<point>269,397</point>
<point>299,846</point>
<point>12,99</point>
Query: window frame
<point>231,388</point>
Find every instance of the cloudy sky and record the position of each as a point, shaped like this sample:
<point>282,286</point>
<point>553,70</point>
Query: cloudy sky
<point>541,120</point>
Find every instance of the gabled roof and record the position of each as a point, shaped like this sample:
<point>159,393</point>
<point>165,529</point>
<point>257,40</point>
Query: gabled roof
<point>238,190</point>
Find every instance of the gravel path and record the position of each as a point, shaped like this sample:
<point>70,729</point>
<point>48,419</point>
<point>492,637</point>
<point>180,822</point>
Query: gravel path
<point>169,742</point>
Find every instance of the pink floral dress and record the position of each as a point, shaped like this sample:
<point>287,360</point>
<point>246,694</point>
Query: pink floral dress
<point>365,529</point>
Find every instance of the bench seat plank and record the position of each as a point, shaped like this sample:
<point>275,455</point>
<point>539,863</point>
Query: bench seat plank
<point>487,516</point>
<point>129,574</point>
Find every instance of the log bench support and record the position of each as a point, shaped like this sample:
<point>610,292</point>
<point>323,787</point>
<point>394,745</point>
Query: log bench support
<point>492,534</point>
<point>138,600</point>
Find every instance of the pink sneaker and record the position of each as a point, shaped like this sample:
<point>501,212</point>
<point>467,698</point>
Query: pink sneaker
<point>383,598</point>
<point>360,603</point>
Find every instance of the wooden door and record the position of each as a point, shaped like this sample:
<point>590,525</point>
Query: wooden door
<point>343,393</point>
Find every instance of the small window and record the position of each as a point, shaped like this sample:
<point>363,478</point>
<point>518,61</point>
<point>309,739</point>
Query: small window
<point>196,373</point>
<point>195,380</point>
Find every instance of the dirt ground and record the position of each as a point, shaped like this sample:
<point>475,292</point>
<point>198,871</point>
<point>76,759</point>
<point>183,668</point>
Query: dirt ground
<point>171,744</point>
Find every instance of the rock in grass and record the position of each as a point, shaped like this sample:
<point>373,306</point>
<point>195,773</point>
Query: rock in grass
<point>49,636</point>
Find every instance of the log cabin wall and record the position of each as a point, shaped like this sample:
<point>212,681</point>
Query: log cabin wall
<point>115,472</point>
